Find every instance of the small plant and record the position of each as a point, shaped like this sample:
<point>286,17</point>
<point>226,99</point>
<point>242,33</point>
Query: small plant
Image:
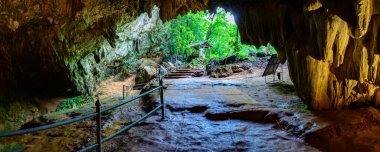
<point>130,63</point>
<point>74,103</point>
<point>252,59</point>
<point>199,62</point>
<point>241,56</point>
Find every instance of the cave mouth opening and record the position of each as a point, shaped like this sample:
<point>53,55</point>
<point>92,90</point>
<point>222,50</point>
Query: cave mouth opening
<point>206,35</point>
<point>208,43</point>
<point>81,45</point>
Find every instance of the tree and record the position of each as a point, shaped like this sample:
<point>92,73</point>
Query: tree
<point>222,34</point>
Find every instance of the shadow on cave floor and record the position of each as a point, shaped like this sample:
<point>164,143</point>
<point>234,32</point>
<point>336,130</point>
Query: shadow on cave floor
<point>237,113</point>
<point>210,115</point>
<point>242,113</point>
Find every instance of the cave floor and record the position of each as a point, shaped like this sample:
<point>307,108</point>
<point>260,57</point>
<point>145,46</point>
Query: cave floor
<point>195,119</point>
<point>237,113</point>
<point>243,113</point>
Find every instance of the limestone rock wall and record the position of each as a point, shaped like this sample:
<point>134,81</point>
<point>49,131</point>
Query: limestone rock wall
<point>66,47</point>
<point>331,46</point>
<point>58,47</point>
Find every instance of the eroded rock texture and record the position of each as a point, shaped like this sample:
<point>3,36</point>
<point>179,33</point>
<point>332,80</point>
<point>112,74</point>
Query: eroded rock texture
<point>331,46</point>
<point>66,47</point>
<point>60,47</point>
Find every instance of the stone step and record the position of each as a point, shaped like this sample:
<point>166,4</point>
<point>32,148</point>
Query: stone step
<point>179,74</point>
<point>185,70</point>
<point>182,72</point>
<point>176,77</point>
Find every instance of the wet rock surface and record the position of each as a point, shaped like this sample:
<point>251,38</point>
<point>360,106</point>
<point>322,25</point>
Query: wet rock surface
<point>331,46</point>
<point>209,115</point>
<point>237,113</point>
<point>245,114</point>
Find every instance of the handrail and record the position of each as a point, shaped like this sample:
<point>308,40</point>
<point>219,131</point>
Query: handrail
<point>130,100</point>
<point>98,113</point>
<point>69,121</point>
<point>121,130</point>
<point>31,130</point>
<point>133,87</point>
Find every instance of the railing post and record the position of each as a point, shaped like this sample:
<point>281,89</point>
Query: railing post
<point>98,126</point>
<point>162,97</point>
<point>123,91</point>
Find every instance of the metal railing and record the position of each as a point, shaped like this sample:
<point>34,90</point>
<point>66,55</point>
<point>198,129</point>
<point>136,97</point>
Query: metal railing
<point>127,88</point>
<point>98,114</point>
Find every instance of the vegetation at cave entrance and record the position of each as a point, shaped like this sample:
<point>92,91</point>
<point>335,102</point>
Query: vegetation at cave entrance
<point>218,28</point>
<point>75,102</point>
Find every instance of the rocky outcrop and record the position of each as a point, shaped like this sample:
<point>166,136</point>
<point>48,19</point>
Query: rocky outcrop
<point>147,70</point>
<point>68,47</point>
<point>222,71</point>
<point>64,48</point>
<point>236,69</point>
<point>331,46</point>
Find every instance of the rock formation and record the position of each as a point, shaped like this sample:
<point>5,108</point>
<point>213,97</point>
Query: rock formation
<point>331,46</point>
<point>64,47</point>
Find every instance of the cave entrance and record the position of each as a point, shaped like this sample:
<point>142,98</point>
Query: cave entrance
<point>209,41</point>
<point>201,44</point>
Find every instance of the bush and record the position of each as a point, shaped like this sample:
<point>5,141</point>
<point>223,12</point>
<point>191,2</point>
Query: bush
<point>74,102</point>
<point>252,59</point>
<point>199,62</point>
<point>241,56</point>
<point>130,63</point>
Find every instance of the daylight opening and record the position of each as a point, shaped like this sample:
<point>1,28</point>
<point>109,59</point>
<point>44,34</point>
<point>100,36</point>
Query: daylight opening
<point>196,38</point>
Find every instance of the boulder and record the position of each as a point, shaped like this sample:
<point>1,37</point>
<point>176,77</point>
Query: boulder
<point>247,65</point>
<point>229,59</point>
<point>250,70</point>
<point>211,66</point>
<point>221,72</point>
<point>198,73</point>
<point>236,69</point>
<point>146,71</point>
<point>149,102</point>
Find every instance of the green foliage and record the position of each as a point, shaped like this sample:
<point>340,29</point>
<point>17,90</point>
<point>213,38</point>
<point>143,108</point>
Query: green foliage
<point>74,103</point>
<point>252,59</point>
<point>199,62</point>
<point>269,49</point>
<point>130,63</point>
<point>185,30</point>
<point>245,50</point>
<point>217,29</point>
